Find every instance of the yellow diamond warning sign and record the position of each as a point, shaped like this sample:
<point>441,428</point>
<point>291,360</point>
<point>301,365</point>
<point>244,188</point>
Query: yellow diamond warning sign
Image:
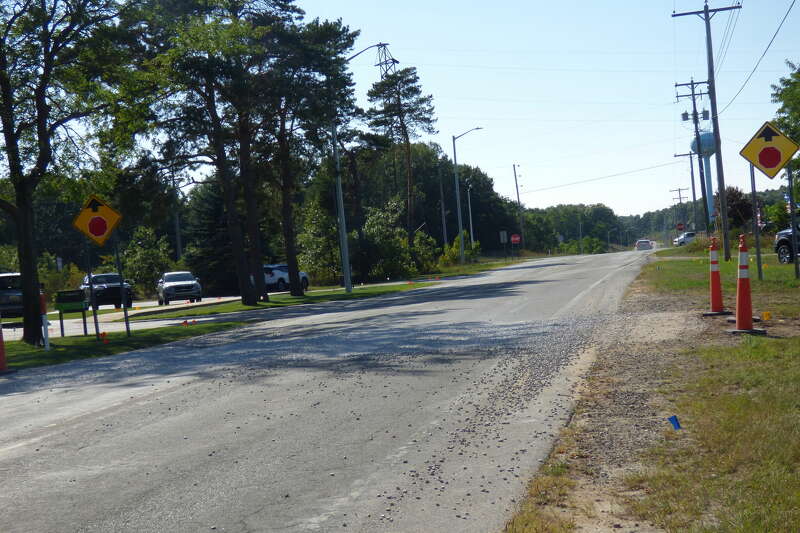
<point>769,150</point>
<point>97,220</point>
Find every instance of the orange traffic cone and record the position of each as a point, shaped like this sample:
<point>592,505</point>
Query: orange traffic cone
<point>717,308</point>
<point>744,304</point>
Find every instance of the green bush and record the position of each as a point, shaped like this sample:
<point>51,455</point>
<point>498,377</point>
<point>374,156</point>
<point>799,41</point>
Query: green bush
<point>451,253</point>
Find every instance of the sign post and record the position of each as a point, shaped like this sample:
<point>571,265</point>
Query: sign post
<point>97,220</point>
<point>770,150</point>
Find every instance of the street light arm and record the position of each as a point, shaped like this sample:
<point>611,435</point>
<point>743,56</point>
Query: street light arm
<point>364,50</point>
<point>456,137</point>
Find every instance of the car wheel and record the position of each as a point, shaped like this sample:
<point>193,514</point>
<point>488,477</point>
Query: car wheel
<point>784,254</point>
<point>191,300</point>
<point>304,283</point>
<point>117,305</point>
<point>281,285</point>
<point>166,300</point>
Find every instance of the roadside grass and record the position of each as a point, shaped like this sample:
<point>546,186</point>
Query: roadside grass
<point>734,465</point>
<point>548,490</point>
<point>777,293</point>
<point>281,300</point>
<point>20,355</point>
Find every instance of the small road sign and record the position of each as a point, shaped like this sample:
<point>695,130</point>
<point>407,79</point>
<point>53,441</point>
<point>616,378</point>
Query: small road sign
<point>679,226</point>
<point>503,236</point>
<point>97,220</point>
<point>515,238</point>
<point>769,150</point>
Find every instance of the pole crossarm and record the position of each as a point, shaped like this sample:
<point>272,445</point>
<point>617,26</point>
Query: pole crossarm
<point>370,47</point>
<point>702,12</point>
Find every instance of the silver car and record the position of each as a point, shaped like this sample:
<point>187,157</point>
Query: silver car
<point>178,286</point>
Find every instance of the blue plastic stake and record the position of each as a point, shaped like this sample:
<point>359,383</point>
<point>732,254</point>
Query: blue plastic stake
<point>674,421</point>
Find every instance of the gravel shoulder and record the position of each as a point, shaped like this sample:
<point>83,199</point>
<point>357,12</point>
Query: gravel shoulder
<point>621,412</point>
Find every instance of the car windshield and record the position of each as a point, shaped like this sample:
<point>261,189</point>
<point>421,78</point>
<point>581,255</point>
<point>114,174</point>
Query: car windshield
<point>179,276</point>
<point>10,282</point>
<point>106,278</point>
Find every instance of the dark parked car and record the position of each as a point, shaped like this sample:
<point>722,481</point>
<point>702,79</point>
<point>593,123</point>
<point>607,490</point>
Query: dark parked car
<point>178,286</point>
<point>783,245</point>
<point>10,294</point>
<point>106,290</point>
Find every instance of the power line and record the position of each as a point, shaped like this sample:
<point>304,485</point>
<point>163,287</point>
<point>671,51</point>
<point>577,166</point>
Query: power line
<point>759,59</point>
<point>625,173</point>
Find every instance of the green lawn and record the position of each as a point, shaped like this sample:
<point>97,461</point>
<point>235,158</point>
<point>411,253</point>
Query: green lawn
<point>734,465</point>
<point>281,300</point>
<point>20,355</point>
<point>778,292</point>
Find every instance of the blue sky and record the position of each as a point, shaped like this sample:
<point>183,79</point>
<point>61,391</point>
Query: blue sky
<point>574,90</point>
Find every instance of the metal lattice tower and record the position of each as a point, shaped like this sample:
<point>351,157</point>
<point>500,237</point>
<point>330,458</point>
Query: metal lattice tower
<point>385,61</point>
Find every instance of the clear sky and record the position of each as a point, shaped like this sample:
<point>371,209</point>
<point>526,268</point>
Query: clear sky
<point>577,89</point>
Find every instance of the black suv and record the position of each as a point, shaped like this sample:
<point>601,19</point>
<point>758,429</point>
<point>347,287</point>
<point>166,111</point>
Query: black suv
<point>783,245</point>
<point>10,294</point>
<point>106,290</point>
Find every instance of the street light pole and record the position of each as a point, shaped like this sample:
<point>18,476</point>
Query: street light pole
<point>343,246</point>
<point>458,196</point>
<point>519,205</point>
<point>469,208</point>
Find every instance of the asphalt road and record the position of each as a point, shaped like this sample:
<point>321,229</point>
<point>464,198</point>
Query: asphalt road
<point>421,411</point>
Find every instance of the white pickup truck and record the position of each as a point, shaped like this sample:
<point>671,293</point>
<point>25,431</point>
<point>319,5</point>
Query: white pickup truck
<point>276,277</point>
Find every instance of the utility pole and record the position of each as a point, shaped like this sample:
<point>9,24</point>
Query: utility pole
<point>696,120</point>
<point>441,203</point>
<point>580,235</point>
<point>694,197</point>
<point>519,204</point>
<point>706,15</point>
<point>681,216</point>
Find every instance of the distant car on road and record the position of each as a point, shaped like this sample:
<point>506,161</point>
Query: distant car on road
<point>643,244</point>
<point>10,294</point>
<point>684,238</point>
<point>180,285</point>
<point>277,277</point>
<point>783,245</point>
<point>107,290</point>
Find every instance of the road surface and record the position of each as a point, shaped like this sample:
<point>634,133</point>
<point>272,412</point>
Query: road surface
<point>426,410</point>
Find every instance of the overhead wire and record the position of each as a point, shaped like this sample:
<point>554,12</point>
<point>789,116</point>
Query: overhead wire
<point>747,80</point>
<point>723,52</point>
<point>615,175</point>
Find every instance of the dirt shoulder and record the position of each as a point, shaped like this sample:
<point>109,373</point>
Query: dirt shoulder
<point>622,412</point>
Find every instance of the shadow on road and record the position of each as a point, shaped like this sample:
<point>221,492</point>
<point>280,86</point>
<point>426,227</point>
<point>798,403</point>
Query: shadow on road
<point>379,343</point>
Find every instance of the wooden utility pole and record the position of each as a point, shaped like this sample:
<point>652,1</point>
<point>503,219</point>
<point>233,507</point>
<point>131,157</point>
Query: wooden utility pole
<point>706,15</point>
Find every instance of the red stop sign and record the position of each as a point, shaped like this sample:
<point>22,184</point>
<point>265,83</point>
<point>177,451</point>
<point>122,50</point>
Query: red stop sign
<point>769,157</point>
<point>98,226</point>
<point>679,226</point>
<point>515,238</point>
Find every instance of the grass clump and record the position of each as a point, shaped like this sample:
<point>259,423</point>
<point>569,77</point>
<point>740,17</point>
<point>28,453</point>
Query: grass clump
<point>550,488</point>
<point>735,465</point>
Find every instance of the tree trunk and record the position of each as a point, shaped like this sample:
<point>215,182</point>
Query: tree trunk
<point>254,250</point>
<point>32,318</point>
<point>230,192</point>
<point>287,209</point>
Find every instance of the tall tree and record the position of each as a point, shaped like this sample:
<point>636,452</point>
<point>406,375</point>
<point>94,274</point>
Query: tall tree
<point>402,108</point>
<point>53,54</point>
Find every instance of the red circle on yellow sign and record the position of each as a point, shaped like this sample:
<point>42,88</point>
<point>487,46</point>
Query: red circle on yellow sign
<point>98,226</point>
<point>769,157</point>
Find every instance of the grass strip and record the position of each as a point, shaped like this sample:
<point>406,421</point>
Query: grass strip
<point>282,300</point>
<point>777,293</point>
<point>20,355</point>
<point>734,466</point>
<point>549,489</point>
